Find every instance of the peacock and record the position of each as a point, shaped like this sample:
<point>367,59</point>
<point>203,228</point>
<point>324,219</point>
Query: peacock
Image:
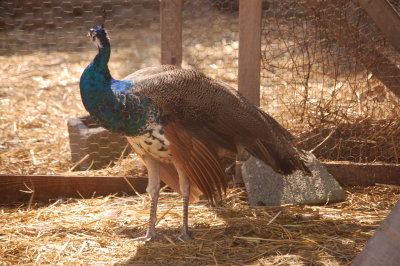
<point>180,122</point>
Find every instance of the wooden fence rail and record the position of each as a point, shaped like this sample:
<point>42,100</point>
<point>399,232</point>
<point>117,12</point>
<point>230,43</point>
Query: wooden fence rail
<point>22,188</point>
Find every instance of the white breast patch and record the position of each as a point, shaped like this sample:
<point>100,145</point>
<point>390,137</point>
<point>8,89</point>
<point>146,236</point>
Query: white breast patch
<point>155,144</point>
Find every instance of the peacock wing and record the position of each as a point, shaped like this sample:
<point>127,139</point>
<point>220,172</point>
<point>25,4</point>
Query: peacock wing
<point>149,71</point>
<point>198,161</point>
<point>219,116</point>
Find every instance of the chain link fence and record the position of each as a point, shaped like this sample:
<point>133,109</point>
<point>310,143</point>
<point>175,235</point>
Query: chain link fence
<point>43,51</point>
<point>326,75</point>
<point>319,75</point>
<point>211,38</point>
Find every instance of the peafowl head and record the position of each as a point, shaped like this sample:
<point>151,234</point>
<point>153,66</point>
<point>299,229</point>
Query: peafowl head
<point>99,36</point>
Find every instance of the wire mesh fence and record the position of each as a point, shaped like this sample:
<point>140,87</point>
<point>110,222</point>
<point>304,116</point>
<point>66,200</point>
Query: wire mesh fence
<point>327,75</point>
<point>211,38</point>
<point>321,73</point>
<point>44,49</point>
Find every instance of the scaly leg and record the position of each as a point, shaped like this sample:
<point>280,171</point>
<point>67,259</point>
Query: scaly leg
<point>153,188</point>
<point>184,184</point>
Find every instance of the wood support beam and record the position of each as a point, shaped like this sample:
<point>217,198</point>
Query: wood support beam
<point>364,174</point>
<point>15,188</point>
<point>22,188</point>
<point>249,62</point>
<point>385,17</point>
<point>250,49</point>
<point>384,246</point>
<point>171,31</point>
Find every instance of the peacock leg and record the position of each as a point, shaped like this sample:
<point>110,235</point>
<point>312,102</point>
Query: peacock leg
<point>184,235</point>
<point>184,184</point>
<point>153,188</point>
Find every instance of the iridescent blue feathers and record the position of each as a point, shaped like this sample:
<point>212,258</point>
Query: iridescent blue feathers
<point>113,103</point>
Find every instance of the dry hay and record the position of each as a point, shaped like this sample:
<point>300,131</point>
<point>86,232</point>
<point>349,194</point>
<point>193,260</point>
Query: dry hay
<point>364,141</point>
<point>102,230</point>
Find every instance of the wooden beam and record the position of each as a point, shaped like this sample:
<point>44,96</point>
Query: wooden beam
<point>364,174</point>
<point>249,62</point>
<point>21,188</point>
<point>385,17</point>
<point>250,49</point>
<point>384,246</point>
<point>15,188</point>
<point>171,31</point>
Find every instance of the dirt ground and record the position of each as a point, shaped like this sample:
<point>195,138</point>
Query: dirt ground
<point>102,231</point>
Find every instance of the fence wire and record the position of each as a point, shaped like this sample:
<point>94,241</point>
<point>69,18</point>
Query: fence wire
<point>326,75</point>
<point>43,50</point>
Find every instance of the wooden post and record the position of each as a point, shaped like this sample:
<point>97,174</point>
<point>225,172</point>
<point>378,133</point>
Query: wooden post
<point>171,31</point>
<point>384,246</point>
<point>250,49</point>
<point>249,62</point>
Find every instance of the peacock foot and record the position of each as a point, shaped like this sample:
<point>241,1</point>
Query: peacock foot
<point>184,236</point>
<point>148,237</point>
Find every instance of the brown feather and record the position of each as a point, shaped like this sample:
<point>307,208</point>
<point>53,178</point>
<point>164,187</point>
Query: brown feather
<point>220,117</point>
<point>199,162</point>
<point>169,176</point>
<point>201,117</point>
<point>209,159</point>
<point>168,173</point>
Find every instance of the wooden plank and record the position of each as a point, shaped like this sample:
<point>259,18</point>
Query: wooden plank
<point>364,174</point>
<point>171,31</point>
<point>385,17</point>
<point>14,188</point>
<point>250,49</point>
<point>384,246</point>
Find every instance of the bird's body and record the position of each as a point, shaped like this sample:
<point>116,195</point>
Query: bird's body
<point>179,121</point>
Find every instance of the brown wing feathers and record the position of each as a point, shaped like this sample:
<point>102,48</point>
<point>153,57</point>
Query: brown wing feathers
<point>169,176</point>
<point>204,115</point>
<point>199,162</point>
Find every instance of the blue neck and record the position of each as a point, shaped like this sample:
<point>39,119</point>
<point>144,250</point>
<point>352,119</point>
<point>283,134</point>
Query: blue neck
<point>105,98</point>
<point>95,83</point>
<point>100,62</point>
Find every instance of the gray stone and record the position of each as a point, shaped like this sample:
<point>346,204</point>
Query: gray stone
<point>268,188</point>
<point>97,144</point>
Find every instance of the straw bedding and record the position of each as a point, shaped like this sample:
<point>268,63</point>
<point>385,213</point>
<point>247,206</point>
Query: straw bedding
<point>102,230</point>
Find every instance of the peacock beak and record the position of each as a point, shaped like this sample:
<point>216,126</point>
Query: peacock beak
<point>92,34</point>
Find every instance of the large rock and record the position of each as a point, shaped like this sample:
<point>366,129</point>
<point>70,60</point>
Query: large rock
<point>268,188</point>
